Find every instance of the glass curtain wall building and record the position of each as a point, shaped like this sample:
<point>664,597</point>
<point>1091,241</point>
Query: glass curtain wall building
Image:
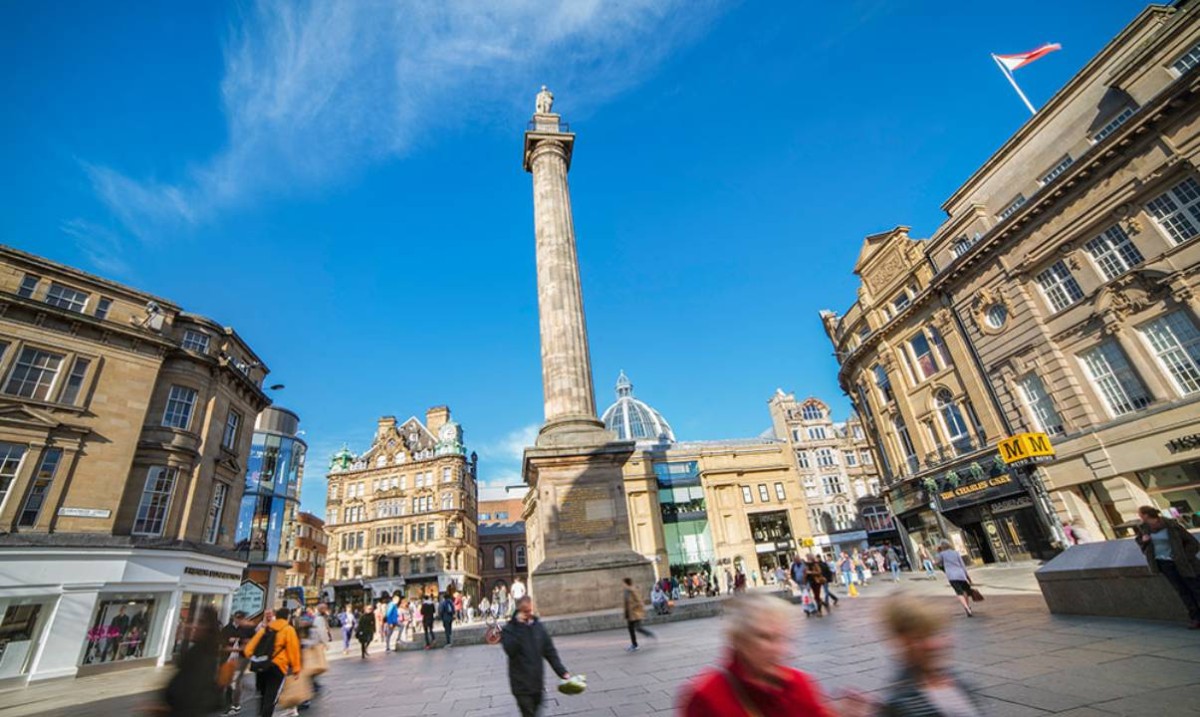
<point>685,517</point>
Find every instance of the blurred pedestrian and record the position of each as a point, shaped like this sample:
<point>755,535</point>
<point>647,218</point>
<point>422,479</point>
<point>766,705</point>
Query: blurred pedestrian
<point>1171,551</point>
<point>814,577</point>
<point>527,644</point>
<point>193,690</point>
<point>926,687</point>
<point>446,611</point>
<point>349,623</point>
<point>635,612</point>
<point>753,679</point>
<point>236,635</point>
<point>951,562</point>
<point>926,561</point>
<point>365,632</point>
<point>428,614</point>
<point>281,650</point>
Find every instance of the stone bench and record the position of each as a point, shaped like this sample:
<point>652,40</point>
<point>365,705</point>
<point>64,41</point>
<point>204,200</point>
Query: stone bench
<point>1109,579</point>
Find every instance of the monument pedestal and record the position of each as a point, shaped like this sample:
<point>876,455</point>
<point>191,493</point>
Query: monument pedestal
<point>577,527</point>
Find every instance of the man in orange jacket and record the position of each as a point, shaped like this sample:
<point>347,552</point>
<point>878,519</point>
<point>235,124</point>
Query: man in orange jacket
<point>285,659</point>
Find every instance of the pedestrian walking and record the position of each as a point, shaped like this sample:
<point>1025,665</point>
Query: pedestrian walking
<point>926,686</point>
<point>193,690</point>
<point>951,563</point>
<point>526,644</point>
<point>815,578</point>
<point>458,608</point>
<point>1075,534</point>
<point>274,653</point>
<point>728,582</point>
<point>518,590</point>
<point>635,612</point>
<point>753,679</point>
<point>365,632</point>
<point>446,611</point>
<point>318,640</point>
<point>828,574</point>
<point>739,583</point>
<point>926,561</point>
<point>391,622</point>
<point>859,567</point>
<point>846,568</point>
<point>428,613</point>
<point>1171,551</point>
<point>236,635</point>
<point>893,561</point>
<point>349,622</point>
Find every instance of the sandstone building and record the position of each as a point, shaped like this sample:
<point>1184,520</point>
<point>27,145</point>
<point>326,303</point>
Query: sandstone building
<point>402,515</point>
<point>1062,290</point>
<point>123,449</point>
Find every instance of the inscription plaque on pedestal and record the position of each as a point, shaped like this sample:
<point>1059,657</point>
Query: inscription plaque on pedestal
<point>586,512</point>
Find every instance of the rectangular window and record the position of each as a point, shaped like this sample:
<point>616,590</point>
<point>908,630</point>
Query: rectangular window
<point>180,402</point>
<point>816,433</point>
<point>1039,404</point>
<point>102,307</point>
<point>1190,59</point>
<point>34,374</point>
<point>858,433</point>
<point>832,484</point>
<point>1176,343</point>
<point>233,422</point>
<point>74,384</point>
<point>922,354</point>
<point>1012,207</point>
<point>763,495</point>
<point>156,501</point>
<point>1058,169</point>
<point>851,458</point>
<point>446,476</point>
<point>1113,124</point>
<point>432,531</point>
<point>825,458</point>
<point>28,285</point>
<point>216,512</point>
<point>1177,210</point>
<point>40,488</point>
<point>747,496</point>
<point>883,383</point>
<point>902,301</point>
<point>1059,286</point>
<point>866,458</point>
<point>1113,253</point>
<point>1114,379</point>
<point>195,341</point>
<point>779,492</point>
<point>10,464</point>
<point>64,297</point>
<point>802,458</point>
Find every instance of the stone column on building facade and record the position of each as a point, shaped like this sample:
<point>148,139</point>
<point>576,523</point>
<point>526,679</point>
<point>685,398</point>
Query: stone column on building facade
<point>575,469</point>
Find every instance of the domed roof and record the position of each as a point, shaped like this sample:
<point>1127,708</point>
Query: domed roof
<point>634,420</point>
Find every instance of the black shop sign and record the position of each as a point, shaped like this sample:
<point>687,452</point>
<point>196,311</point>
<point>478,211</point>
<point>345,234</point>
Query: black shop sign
<point>979,491</point>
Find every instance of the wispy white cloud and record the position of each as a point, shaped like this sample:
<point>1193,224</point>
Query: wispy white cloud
<point>314,91</point>
<point>511,447</point>
<point>104,248</point>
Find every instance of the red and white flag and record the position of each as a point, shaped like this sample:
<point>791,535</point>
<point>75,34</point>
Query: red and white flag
<point>1013,62</point>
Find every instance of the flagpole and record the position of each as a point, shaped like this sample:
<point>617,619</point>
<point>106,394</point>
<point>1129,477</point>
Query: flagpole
<point>1013,82</point>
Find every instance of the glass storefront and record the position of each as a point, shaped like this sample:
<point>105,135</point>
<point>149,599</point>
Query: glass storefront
<point>20,632</point>
<point>772,533</point>
<point>685,518</point>
<point>123,627</point>
<point>190,608</point>
<point>1175,491</point>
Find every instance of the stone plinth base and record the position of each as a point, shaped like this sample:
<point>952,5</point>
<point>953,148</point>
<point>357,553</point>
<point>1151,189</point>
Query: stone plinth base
<point>1109,578</point>
<point>585,583</point>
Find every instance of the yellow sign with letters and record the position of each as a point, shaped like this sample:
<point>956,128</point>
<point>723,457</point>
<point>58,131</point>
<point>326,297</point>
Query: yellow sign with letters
<point>1026,448</point>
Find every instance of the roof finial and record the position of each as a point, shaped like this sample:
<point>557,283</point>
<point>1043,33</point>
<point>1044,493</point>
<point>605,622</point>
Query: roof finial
<point>624,385</point>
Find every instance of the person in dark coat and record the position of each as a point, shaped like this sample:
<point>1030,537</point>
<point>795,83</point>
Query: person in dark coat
<point>193,690</point>
<point>365,632</point>
<point>527,643</point>
<point>1171,551</point>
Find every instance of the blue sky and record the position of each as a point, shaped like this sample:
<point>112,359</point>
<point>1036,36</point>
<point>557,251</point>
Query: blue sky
<point>342,182</point>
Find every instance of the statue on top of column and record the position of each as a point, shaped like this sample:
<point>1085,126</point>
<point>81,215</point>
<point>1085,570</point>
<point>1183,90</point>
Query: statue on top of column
<point>545,101</point>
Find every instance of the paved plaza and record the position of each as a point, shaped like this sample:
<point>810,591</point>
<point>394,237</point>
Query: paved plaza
<point>1020,659</point>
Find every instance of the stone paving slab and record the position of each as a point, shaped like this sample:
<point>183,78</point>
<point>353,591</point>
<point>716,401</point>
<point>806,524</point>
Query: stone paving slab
<point>1020,660</point>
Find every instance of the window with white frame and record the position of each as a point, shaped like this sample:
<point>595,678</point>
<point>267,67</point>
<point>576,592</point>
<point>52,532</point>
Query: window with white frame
<point>1114,379</point>
<point>883,383</point>
<point>763,494</point>
<point>102,307</point>
<point>215,512</point>
<point>850,457</point>
<point>802,459</point>
<point>952,420</point>
<point>233,422</point>
<point>1045,416</point>
<point>10,464</point>
<point>826,458</point>
<point>960,246</point>
<point>816,433</point>
<point>1013,206</point>
<point>1176,344</point>
<point>74,384</point>
<point>858,433</point>
<point>901,302</point>
<point>180,402</point>
<point>1057,169</point>
<point>812,412</point>
<point>842,520</point>
<point>64,297</point>
<point>29,284</point>
<point>865,457</point>
<point>447,501</point>
<point>747,496</point>
<point>832,484</point>
<point>156,501</point>
<point>33,374</point>
<point>780,493</point>
<point>195,341</point>
<point>1113,124</point>
<point>1113,253</point>
<point>1059,286</point>
<point>1177,210</point>
<point>1190,59</point>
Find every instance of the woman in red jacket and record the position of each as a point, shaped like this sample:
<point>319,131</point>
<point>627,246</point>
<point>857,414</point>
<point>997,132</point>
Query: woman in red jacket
<point>753,681</point>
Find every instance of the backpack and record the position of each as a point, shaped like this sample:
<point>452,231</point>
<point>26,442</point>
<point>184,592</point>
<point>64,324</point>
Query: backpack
<point>264,652</point>
<point>393,615</point>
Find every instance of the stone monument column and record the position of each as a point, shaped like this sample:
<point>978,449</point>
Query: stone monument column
<point>576,516</point>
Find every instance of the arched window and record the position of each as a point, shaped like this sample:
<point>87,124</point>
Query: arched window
<point>812,412</point>
<point>952,420</point>
<point>499,557</point>
<point>520,557</point>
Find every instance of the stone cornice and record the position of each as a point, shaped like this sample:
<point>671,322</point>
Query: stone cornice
<point>35,313</point>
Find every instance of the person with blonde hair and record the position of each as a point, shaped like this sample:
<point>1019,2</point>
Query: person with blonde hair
<point>753,679</point>
<point>926,686</point>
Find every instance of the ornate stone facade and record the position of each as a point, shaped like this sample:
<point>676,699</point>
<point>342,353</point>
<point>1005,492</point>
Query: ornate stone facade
<point>402,515</point>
